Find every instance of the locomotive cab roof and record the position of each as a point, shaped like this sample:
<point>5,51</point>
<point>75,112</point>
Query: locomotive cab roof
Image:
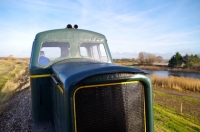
<point>69,43</point>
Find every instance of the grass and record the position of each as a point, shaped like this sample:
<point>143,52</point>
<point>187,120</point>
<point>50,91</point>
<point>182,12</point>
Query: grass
<point>7,71</point>
<point>5,68</point>
<point>168,120</point>
<point>176,83</point>
<point>176,113</point>
<point>182,104</point>
<point>12,71</point>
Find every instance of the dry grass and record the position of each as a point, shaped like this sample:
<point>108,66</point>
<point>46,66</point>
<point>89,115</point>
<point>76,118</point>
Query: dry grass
<point>124,63</point>
<point>176,83</point>
<point>12,80</point>
<point>152,67</point>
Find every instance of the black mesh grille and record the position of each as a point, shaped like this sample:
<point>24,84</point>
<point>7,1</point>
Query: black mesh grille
<point>114,108</point>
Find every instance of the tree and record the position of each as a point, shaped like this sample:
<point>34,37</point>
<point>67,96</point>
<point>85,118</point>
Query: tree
<point>141,58</point>
<point>176,60</point>
<point>146,58</point>
<point>195,60</point>
<point>133,60</point>
<point>159,59</point>
<point>187,61</point>
<point>150,58</point>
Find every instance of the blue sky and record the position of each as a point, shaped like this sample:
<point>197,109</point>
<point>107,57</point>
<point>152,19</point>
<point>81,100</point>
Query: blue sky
<point>161,27</point>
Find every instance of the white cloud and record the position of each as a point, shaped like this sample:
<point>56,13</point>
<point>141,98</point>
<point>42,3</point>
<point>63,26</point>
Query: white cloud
<point>152,30</point>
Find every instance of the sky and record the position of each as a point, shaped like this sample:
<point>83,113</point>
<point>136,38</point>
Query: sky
<point>161,27</point>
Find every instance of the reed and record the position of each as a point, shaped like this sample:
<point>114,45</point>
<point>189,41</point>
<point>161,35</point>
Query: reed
<point>176,83</point>
<point>124,63</point>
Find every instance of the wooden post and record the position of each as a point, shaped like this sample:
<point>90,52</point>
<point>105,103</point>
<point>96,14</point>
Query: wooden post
<point>181,107</point>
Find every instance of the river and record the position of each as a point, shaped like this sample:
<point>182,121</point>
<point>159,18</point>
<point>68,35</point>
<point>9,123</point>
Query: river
<point>173,73</point>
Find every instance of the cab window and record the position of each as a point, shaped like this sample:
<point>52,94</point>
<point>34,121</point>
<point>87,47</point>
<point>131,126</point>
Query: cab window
<point>94,51</point>
<point>51,51</point>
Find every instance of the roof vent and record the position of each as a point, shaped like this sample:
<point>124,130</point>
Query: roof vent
<point>69,26</point>
<point>75,26</point>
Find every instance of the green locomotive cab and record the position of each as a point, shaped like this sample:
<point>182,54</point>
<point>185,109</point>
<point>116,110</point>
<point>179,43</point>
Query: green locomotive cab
<point>75,84</point>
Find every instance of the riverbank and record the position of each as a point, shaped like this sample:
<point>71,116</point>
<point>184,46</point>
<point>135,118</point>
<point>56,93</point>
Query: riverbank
<point>165,68</point>
<point>158,67</point>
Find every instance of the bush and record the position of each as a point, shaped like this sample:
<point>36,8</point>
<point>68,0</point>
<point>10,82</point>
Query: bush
<point>10,57</point>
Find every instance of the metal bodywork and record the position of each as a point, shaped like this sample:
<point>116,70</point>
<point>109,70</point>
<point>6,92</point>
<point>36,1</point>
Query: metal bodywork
<point>58,89</point>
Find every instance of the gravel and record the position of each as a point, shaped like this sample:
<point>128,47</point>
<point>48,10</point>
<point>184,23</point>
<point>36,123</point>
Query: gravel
<point>17,115</point>
<point>17,111</point>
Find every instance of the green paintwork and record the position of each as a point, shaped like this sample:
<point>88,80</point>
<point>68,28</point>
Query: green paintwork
<point>73,36</point>
<point>48,103</point>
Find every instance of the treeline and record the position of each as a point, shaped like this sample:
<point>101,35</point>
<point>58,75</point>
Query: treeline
<point>176,61</point>
<point>144,58</point>
<point>148,58</point>
<point>187,61</point>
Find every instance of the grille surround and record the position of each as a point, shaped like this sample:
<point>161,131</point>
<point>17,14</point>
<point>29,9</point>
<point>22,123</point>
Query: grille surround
<point>116,108</point>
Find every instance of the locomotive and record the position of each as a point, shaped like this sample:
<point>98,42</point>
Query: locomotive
<point>76,85</point>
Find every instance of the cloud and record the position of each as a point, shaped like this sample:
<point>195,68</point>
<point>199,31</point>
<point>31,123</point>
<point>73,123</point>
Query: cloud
<point>159,27</point>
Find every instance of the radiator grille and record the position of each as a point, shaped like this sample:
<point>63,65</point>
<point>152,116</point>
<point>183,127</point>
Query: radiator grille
<point>110,108</point>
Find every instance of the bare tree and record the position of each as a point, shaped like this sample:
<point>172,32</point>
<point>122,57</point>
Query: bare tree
<point>146,58</point>
<point>159,59</point>
<point>151,58</point>
<point>141,58</point>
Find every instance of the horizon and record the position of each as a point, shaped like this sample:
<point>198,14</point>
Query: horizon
<point>158,27</point>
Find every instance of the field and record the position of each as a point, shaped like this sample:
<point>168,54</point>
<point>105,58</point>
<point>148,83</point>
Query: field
<point>5,68</point>
<point>12,74</point>
<point>176,113</point>
<point>168,120</point>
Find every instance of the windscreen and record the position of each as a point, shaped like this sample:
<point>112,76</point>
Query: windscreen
<point>51,51</point>
<point>94,51</point>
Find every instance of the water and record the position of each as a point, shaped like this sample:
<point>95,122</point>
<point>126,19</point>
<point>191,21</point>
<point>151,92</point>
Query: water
<point>173,73</point>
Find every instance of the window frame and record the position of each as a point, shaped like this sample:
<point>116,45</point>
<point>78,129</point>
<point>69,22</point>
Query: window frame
<point>91,51</point>
<point>57,59</point>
